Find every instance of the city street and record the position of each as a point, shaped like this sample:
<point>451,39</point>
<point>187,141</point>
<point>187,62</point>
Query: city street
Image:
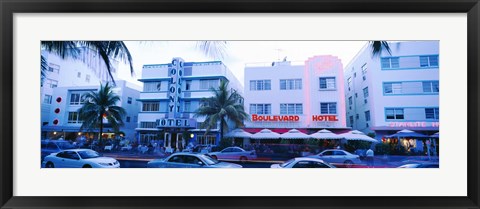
<point>143,164</point>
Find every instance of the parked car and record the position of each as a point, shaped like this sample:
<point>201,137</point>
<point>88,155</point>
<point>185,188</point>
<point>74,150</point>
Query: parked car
<point>234,153</point>
<point>420,165</point>
<point>337,156</point>
<point>54,146</point>
<point>303,162</point>
<point>189,160</point>
<point>79,158</point>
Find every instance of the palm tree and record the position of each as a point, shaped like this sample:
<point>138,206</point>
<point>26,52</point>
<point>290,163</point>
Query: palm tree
<point>101,105</point>
<point>106,50</point>
<point>222,106</point>
<point>378,47</point>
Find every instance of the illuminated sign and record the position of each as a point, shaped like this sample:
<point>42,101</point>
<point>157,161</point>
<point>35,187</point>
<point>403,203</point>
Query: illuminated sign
<point>414,124</point>
<point>275,118</point>
<point>175,87</point>
<point>324,118</point>
<point>176,123</point>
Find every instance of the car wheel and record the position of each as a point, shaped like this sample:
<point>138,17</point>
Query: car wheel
<point>348,163</point>
<point>49,165</point>
<point>243,159</point>
<point>87,166</point>
<point>214,157</point>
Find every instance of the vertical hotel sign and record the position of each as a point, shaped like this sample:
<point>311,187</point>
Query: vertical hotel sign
<point>175,87</point>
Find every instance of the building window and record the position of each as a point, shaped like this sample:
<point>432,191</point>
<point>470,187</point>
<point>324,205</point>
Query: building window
<point>186,106</point>
<point>206,139</point>
<point>51,83</point>
<point>356,95</point>
<point>349,82</point>
<point>87,78</point>
<point>364,71</point>
<point>264,109</point>
<point>429,61</point>
<point>392,88</point>
<point>328,108</point>
<point>260,85</point>
<point>432,113</point>
<point>148,124</point>
<point>357,116</point>
<point>188,85</point>
<point>367,115</point>
<point>290,84</point>
<point>54,68</point>
<point>327,83</point>
<point>365,92</point>
<point>152,86</point>
<point>291,109</point>
<point>394,114</point>
<point>47,99</point>
<point>127,119</point>
<point>207,84</point>
<point>129,100</point>
<point>430,86</point>
<point>390,63</point>
<point>351,121</point>
<point>350,100</point>
<point>76,99</point>
<point>151,107</point>
<point>135,119</point>
<point>79,75</point>
<point>73,117</point>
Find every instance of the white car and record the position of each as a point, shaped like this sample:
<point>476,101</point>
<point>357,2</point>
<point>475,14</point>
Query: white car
<point>303,162</point>
<point>189,160</point>
<point>234,153</point>
<point>337,156</point>
<point>79,158</point>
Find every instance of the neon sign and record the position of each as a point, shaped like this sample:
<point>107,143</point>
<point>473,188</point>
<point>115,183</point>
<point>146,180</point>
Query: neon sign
<point>275,118</point>
<point>324,118</point>
<point>414,124</point>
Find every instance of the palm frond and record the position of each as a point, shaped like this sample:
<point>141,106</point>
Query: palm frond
<point>213,49</point>
<point>379,46</point>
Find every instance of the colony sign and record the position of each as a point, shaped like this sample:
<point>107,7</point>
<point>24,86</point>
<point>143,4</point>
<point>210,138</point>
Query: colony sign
<point>175,87</point>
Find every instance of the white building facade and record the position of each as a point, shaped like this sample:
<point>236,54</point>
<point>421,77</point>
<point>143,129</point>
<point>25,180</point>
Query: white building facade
<point>394,91</point>
<point>66,80</point>
<point>170,97</point>
<point>308,96</point>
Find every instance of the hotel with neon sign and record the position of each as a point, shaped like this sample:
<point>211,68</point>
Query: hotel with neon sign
<point>306,95</point>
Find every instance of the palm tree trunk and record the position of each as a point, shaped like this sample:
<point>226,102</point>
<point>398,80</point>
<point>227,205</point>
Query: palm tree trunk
<point>100,131</point>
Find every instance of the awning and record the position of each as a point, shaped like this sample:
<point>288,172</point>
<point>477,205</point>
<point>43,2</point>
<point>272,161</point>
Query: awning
<point>266,134</point>
<point>325,134</point>
<point>407,133</point>
<point>294,134</point>
<point>238,133</point>
<point>357,135</point>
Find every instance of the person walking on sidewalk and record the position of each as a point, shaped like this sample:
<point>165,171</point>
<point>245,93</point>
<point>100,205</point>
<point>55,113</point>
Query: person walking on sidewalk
<point>369,158</point>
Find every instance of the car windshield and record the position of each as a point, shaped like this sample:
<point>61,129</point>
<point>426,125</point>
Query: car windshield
<point>209,160</point>
<point>65,145</point>
<point>283,165</point>
<point>88,154</point>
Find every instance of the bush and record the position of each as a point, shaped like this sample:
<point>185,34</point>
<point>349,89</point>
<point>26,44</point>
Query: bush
<point>383,149</point>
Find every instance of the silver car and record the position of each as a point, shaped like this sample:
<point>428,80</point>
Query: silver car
<point>190,160</point>
<point>338,156</point>
<point>303,162</point>
<point>234,153</point>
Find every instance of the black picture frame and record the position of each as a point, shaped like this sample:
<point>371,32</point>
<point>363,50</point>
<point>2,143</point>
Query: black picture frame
<point>10,7</point>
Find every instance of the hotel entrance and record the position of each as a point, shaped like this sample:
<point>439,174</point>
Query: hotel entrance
<point>174,141</point>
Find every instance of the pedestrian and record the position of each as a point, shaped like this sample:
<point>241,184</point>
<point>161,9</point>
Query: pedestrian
<point>369,158</point>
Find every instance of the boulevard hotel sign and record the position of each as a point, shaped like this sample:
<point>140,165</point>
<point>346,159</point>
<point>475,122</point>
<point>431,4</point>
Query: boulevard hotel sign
<point>291,118</point>
<point>173,119</point>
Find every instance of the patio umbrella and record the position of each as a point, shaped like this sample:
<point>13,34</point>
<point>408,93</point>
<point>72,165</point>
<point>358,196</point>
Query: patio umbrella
<point>238,133</point>
<point>357,135</point>
<point>266,134</point>
<point>294,134</point>
<point>325,134</point>
<point>407,133</point>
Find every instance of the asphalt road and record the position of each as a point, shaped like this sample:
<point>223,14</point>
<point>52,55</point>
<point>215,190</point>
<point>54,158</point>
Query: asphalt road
<point>143,164</point>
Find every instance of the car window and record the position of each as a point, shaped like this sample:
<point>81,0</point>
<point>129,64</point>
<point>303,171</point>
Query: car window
<point>283,165</point>
<point>65,145</point>
<point>176,159</point>
<point>327,153</point>
<point>319,165</point>
<point>236,150</point>
<point>191,160</point>
<point>209,160</point>
<point>339,153</point>
<point>61,154</point>
<point>302,164</point>
<point>88,154</point>
<point>227,150</point>
<point>71,155</point>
